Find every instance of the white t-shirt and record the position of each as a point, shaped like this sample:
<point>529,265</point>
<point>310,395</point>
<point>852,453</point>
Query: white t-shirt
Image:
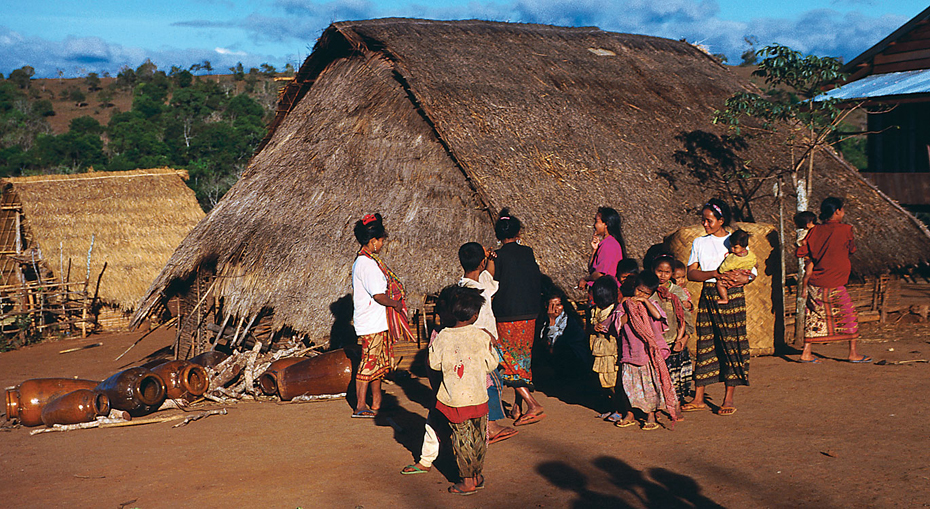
<point>709,251</point>
<point>488,287</point>
<point>368,316</point>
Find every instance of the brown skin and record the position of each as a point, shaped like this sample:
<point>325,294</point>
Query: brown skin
<point>522,394</point>
<point>663,271</point>
<point>600,233</point>
<point>488,264</point>
<point>734,279</point>
<point>361,388</point>
<point>641,295</point>
<point>721,285</point>
<point>807,354</point>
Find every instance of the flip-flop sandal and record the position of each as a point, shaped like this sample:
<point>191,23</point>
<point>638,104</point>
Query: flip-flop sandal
<point>414,469</point>
<point>456,491</point>
<point>614,417</point>
<point>625,424</point>
<point>529,419</point>
<point>650,426</point>
<point>691,407</point>
<point>812,361</point>
<point>502,435</point>
<point>480,485</point>
<point>863,360</point>
<point>726,410</point>
<point>364,414</point>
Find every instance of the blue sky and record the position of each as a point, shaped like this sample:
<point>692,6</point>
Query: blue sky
<point>80,36</point>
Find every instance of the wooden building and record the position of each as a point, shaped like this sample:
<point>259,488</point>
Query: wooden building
<point>79,251</point>
<point>893,78</point>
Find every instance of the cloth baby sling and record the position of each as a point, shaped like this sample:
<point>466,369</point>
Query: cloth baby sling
<point>639,322</point>
<point>398,330</point>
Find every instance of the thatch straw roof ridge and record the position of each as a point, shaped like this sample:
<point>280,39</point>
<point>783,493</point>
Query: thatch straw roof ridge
<point>136,220</point>
<point>96,175</point>
<point>435,123</point>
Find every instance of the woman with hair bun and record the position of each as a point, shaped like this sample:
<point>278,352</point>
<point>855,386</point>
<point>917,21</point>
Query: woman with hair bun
<point>722,344</point>
<point>516,305</point>
<point>379,314</point>
<point>831,315</point>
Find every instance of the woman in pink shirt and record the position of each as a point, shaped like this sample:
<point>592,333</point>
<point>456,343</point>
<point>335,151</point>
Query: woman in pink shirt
<point>607,244</point>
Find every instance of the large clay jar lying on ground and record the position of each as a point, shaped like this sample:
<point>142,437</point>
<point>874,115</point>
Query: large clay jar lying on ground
<point>209,359</point>
<point>82,405</point>
<point>269,379</point>
<point>136,390</point>
<point>25,401</point>
<point>328,373</point>
<point>183,379</point>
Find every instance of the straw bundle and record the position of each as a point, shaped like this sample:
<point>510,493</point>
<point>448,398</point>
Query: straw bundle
<point>764,313</point>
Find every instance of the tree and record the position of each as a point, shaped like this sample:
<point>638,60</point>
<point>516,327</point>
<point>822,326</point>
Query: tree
<point>76,95</point>
<point>92,81</point>
<point>22,76</point>
<point>238,72</point>
<point>126,78</point>
<point>268,70</point>
<point>810,124</point>
<point>750,57</point>
<point>288,69</point>
<point>146,71</point>
<point>105,97</point>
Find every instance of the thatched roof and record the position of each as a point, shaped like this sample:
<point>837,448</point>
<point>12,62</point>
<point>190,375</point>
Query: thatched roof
<point>136,218</point>
<point>439,124</point>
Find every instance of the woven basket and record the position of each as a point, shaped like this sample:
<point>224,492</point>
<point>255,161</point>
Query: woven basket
<point>764,307</point>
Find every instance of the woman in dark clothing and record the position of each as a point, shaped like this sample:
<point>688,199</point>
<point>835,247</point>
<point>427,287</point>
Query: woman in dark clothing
<point>516,305</point>
<point>562,342</point>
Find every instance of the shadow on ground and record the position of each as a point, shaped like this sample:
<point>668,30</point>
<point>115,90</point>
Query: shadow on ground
<point>656,488</point>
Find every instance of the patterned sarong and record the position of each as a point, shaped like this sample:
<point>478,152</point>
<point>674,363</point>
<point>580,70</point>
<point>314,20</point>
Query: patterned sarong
<point>640,388</point>
<point>377,357</point>
<point>657,370</point>
<point>722,344</point>
<point>515,341</point>
<point>831,315</point>
<point>469,442</point>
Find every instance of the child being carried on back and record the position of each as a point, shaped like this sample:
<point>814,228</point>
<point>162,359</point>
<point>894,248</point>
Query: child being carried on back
<point>463,354</point>
<point>739,259</point>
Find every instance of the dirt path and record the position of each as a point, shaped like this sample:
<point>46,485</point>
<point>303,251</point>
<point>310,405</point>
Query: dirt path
<point>826,435</point>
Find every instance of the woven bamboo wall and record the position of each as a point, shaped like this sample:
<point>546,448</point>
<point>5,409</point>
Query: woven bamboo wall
<point>764,309</point>
<point>111,319</point>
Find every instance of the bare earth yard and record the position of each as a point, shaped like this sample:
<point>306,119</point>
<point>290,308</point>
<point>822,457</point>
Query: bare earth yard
<point>828,435</point>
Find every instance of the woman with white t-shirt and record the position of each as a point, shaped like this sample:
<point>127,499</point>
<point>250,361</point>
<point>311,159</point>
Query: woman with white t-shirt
<point>379,314</point>
<point>722,345</point>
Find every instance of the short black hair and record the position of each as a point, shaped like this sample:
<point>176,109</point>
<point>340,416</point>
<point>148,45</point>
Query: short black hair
<point>507,225</point>
<point>466,303</point>
<point>627,266</point>
<point>664,258</point>
<point>740,238</point>
<point>829,206</point>
<point>649,280</point>
<point>471,255</point>
<point>719,209</point>
<point>678,265</point>
<point>604,291</point>
<point>444,305</point>
<point>369,227</point>
<point>801,219</point>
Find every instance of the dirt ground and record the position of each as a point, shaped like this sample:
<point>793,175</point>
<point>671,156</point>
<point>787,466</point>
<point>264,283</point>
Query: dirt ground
<point>832,434</point>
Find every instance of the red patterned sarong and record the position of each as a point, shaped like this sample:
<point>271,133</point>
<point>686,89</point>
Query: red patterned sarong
<point>516,346</point>
<point>377,356</point>
<point>830,315</point>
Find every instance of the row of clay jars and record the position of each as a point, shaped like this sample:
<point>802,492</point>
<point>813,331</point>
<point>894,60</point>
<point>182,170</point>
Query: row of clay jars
<point>26,401</point>
<point>82,405</point>
<point>327,373</point>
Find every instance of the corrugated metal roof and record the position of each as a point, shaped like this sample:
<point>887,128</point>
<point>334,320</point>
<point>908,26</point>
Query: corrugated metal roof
<point>883,85</point>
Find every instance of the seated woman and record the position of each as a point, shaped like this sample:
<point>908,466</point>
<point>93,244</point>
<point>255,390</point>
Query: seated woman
<point>561,340</point>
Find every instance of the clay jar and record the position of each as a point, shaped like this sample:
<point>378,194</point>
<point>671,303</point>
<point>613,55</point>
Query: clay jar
<point>82,405</point>
<point>183,379</point>
<point>209,359</point>
<point>136,390</point>
<point>269,379</point>
<point>328,373</point>
<point>25,401</point>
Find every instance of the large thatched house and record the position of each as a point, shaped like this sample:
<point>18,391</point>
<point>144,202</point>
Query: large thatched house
<point>440,124</point>
<point>129,220</point>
